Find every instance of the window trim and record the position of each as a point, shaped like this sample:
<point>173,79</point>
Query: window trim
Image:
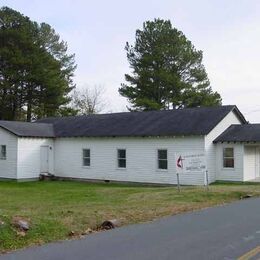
<point>5,155</point>
<point>157,155</point>
<point>86,157</point>
<point>228,157</point>
<point>121,158</point>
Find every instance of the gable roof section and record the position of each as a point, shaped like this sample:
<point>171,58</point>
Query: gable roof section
<point>240,133</point>
<point>189,121</point>
<point>26,129</point>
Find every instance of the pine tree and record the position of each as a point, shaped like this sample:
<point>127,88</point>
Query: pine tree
<point>167,71</point>
<point>36,73</point>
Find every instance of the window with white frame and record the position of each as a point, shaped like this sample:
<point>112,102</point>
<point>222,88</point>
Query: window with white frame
<point>162,159</point>
<point>228,157</point>
<point>3,152</point>
<point>121,158</point>
<point>86,157</point>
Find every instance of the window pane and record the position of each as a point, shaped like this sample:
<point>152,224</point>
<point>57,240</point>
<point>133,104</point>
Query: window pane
<point>229,162</point>
<point>228,152</point>
<point>122,163</point>
<point>162,164</point>
<point>162,154</point>
<point>228,157</point>
<point>86,152</point>
<point>86,161</point>
<point>3,151</point>
<point>121,153</point>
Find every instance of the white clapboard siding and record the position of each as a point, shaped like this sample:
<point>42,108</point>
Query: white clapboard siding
<point>210,149</point>
<point>230,174</point>
<point>28,159</point>
<point>141,156</point>
<point>65,157</point>
<point>8,166</point>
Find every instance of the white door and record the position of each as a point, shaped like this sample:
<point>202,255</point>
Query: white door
<point>45,159</point>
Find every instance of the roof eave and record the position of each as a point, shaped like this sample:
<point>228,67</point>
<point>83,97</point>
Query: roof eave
<point>9,130</point>
<point>239,115</point>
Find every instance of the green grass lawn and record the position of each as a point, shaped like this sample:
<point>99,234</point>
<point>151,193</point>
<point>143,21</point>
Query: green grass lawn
<point>55,208</point>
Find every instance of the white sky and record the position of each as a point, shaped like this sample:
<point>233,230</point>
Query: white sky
<point>228,33</point>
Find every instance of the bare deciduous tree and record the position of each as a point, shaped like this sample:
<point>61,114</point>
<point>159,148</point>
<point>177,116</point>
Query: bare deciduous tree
<point>89,100</point>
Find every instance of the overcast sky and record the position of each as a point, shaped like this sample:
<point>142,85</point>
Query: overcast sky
<point>228,33</point>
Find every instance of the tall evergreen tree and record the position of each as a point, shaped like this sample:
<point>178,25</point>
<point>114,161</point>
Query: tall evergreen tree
<point>35,70</point>
<point>167,70</point>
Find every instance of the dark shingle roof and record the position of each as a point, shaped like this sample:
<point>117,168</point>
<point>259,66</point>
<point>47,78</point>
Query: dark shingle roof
<point>190,121</point>
<point>240,133</point>
<point>27,129</point>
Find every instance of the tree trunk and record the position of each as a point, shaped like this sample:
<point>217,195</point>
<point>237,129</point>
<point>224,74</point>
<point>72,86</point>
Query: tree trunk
<point>29,105</point>
<point>29,112</point>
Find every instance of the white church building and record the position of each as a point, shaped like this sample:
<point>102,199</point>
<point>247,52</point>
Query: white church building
<point>132,147</point>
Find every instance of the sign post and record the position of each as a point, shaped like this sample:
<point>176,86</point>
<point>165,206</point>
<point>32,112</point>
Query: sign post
<point>207,180</point>
<point>178,182</point>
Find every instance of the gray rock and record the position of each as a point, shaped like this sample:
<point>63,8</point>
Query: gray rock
<point>21,224</point>
<point>109,224</point>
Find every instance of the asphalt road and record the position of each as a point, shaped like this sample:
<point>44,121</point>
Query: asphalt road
<point>225,232</point>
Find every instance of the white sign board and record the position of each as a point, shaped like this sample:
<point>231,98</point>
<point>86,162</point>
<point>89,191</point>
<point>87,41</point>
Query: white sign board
<point>188,163</point>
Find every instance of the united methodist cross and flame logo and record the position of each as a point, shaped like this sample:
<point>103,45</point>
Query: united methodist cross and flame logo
<point>180,162</point>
